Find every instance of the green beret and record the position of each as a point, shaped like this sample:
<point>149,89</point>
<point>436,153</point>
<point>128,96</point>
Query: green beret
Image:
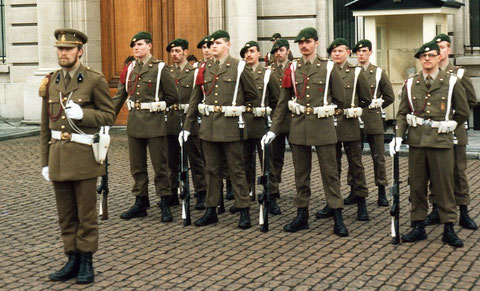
<point>248,45</point>
<point>362,44</point>
<point>278,44</point>
<point>219,34</point>
<point>67,37</point>
<point>177,42</point>
<point>306,33</point>
<point>275,36</point>
<point>139,36</point>
<point>426,47</point>
<point>442,37</point>
<point>203,41</point>
<point>337,42</point>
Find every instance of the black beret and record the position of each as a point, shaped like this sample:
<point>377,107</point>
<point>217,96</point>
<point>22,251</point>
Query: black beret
<point>361,44</point>
<point>278,44</point>
<point>337,42</point>
<point>426,47</point>
<point>219,34</point>
<point>442,37</point>
<point>139,36</point>
<point>248,45</point>
<point>204,40</point>
<point>177,42</point>
<point>306,33</point>
<point>275,36</point>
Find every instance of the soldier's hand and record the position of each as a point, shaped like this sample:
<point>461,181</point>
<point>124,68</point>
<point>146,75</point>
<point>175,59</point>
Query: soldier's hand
<point>73,110</point>
<point>183,136</point>
<point>395,145</point>
<point>267,139</point>
<point>45,174</point>
<point>447,126</point>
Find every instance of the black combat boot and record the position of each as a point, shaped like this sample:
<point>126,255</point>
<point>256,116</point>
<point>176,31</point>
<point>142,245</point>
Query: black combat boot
<point>450,237</point>
<point>324,213</point>
<point>200,205</point>
<point>209,217</point>
<point>433,218</point>
<point>148,202</point>
<point>362,212</point>
<point>417,233</point>
<point>273,207</point>
<point>85,274</point>
<point>166,214</point>
<point>465,220</point>
<point>230,195</point>
<point>233,209</point>
<point>300,222</point>
<point>69,271</point>
<point>382,197</point>
<point>244,222</point>
<point>139,209</point>
<point>351,198</point>
<point>339,227</point>
<point>173,198</point>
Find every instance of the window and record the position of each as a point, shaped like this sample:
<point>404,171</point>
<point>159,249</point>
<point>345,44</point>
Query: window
<point>474,46</point>
<point>343,21</point>
<point>2,31</point>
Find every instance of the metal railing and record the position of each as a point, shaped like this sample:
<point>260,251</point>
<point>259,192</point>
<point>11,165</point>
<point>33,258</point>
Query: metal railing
<point>2,31</point>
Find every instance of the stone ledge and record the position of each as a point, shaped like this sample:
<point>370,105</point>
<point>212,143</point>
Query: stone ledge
<point>468,60</point>
<point>4,68</point>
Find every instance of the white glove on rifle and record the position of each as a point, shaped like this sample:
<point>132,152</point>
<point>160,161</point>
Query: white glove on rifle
<point>447,126</point>
<point>45,174</point>
<point>395,145</point>
<point>267,139</point>
<point>183,136</point>
<point>73,110</point>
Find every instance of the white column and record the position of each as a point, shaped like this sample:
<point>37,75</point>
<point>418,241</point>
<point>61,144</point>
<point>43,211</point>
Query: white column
<point>216,15</point>
<point>322,27</point>
<point>241,18</point>
<point>371,35</point>
<point>429,27</point>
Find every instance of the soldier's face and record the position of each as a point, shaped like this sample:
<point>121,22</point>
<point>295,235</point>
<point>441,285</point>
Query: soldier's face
<point>363,55</point>
<point>340,54</point>
<point>178,54</point>
<point>445,50</point>
<point>252,55</point>
<point>206,52</point>
<point>219,48</point>
<point>430,60</point>
<point>281,54</point>
<point>141,49</point>
<point>68,56</point>
<point>308,47</point>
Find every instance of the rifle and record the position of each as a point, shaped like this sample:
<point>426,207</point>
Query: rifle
<point>184,185</point>
<point>395,194</point>
<point>103,189</point>
<point>264,198</point>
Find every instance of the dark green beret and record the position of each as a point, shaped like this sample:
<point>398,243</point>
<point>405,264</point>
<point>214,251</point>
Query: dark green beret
<point>67,37</point>
<point>337,42</point>
<point>219,34</point>
<point>362,44</point>
<point>442,37</point>
<point>426,47</point>
<point>248,45</point>
<point>275,36</point>
<point>203,41</point>
<point>306,33</point>
<point>177,42</point>
<point>139,36</point>
<point>278,44</point>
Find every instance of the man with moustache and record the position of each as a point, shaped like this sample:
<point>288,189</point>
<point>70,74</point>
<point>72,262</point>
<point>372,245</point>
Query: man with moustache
<point>222,129</point>
<point>148,88</point>
<point>76,103</point>
<point>311,87</point>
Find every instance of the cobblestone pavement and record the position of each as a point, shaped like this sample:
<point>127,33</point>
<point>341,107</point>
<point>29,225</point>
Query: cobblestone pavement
<point>147,254</point>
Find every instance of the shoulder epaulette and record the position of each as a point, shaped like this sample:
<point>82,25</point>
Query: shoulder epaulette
<point>42,90</point>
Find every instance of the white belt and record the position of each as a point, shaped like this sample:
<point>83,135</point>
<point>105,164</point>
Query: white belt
<point>320,111</point>
<point>151,106</point>
<point>78,138</point>
<point>261,111</point>
<point>183,107</point>
<point>413,121</point>
<point>228,111</point>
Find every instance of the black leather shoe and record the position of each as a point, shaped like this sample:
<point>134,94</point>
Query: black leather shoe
<point>417,233</point>
<point>273,207</point>
<point>300,222</point>
<point>465,220</point>
<point>450,237</point>
<point>339,227</point>
<point>351,198</point>
<point>166,214</point>
<point>173,198</point>
<point>85,274</point>
<point>229,189</point>
<point>382,197</point>
<point>233,209</point>
<point>209,217</point>
<point>200,205</point>
<point>433,218</point>
<point>69,271</point>
<point>244,222</point>
<point>139,209</point>
<point>362,213</point>
<point>324,213</point>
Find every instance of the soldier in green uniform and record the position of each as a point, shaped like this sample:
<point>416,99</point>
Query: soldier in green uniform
<point>461,190</point>
<point>223,88</point>
<point>428,114</point>
<point>358,96</point>
<point>183,73</point>
<point>311,88</point>
<point>382,93</point>
<point>148,88</point>
<point>203,44</point>
<point>76,103</point>
<point>270,57</point>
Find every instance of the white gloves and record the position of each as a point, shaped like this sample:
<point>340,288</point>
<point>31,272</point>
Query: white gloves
<point>447,126</point>
<point>183,136</point>
<point>267,139</point>
<point>74,111</point>
<point>376,103</point>
<point>45,174</point>
<point>395,145</point>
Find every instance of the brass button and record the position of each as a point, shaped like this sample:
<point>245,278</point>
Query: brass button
<point>216,101</point>
<point>216,78</point>
<point>138,93</point>
<point>216,86</point>
<point>64,98</point>
<point>308,87</point>
<point>308,95</point>
<point>308,104</point>
<point>428,103</point>
<point>216,94</point>
<point>139,79</point>
<point>428,111</point>
<point>138,86</point>
<point>443,98</point>
<point>308,79</point>
<point>63,117</point>
<point>259,88</point>
<point>62,127</point>
<point>79,100</point>
<point>414,97</point>
<point>428,95</point>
